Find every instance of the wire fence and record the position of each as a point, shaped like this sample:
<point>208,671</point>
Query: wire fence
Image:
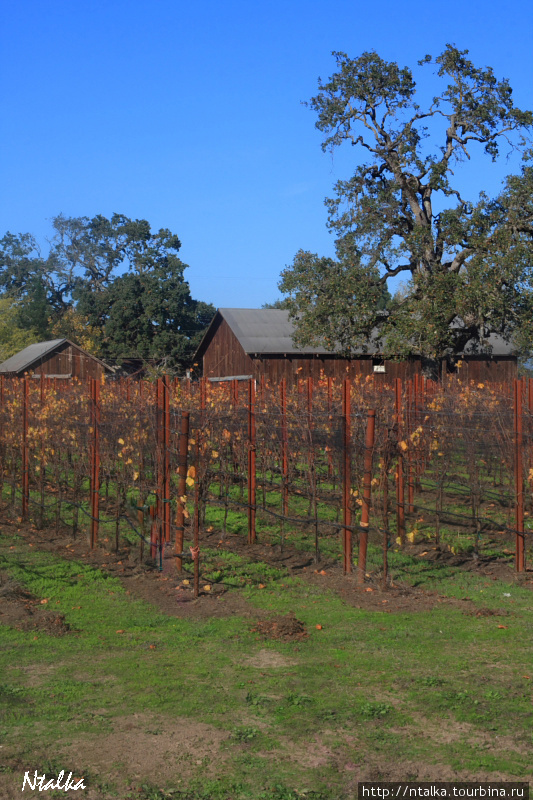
<point>347,469</point>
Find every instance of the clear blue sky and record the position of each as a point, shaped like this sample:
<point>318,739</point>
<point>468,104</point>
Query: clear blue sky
<point>190,116</point>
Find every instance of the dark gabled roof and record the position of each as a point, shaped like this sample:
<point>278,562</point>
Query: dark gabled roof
<point>269,331</point>
<point>265,330</point>
<point>35,353</point>
<point>30,355</point>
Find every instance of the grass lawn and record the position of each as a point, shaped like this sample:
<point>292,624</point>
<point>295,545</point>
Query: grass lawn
<point>149,705</point>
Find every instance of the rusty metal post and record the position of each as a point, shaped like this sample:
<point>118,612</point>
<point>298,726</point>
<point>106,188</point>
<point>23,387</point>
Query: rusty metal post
<point>530,428</point>
<point>25,451</point>
<point>313,478</point>
<point>284,450</point>
<point>182,485</point>
<point>519,477</point>
<point>140,511</point>
<point>91,454</point>
<point>421,408</point>
<point>329,456</point>
<point>41,461</point>
<point>251,462</point>
<point>196,521</point>
<point>400,488</point>
<point>166,458</point>
<point>367,494</point>
<point>346,476</point>
<point>95,460</point>
<point>410,466</point>
<point>159,456</point>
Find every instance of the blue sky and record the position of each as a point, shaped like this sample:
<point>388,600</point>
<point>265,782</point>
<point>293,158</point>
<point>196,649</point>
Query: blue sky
<point>191,117</point>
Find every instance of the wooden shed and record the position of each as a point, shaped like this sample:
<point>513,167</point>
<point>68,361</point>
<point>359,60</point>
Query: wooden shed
<point>58,358</point>
<point>243,342</point>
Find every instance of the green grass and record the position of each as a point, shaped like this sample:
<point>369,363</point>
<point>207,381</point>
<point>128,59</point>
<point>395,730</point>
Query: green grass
<point>373,687</point>
<point>234,571</point>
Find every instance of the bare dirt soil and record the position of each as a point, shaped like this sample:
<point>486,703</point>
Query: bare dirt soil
<point>148,748</point>
<point>21,610</point>
<point>285,628</point>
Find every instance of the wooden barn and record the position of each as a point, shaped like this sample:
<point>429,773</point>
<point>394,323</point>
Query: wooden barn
<point>58,358</point>
<point>243,342</point>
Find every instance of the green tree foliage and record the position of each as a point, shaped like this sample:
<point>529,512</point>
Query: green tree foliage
<point>401,213</point>
<point>112,283</point>
<point>12,336</point>
<point>34,311</point>
<point>279,304</point>
<point>149,314</point>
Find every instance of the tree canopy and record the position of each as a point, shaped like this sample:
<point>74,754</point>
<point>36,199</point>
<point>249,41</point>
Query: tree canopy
<point>113,286</point>
<point>402,213</point>
<point>12,336</point>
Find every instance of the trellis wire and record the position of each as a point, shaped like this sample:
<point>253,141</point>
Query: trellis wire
<point>314,442</point>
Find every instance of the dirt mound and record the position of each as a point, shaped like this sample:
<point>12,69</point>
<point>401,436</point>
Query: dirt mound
<point>488,612</point>
<point>287,628</point>
<point>22,610</point>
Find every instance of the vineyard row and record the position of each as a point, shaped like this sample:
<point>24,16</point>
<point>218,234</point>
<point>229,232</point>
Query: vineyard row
<point>347,468</point>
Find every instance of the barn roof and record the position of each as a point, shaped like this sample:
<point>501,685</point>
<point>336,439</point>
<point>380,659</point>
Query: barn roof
<point>34,353</point>
<point>495,345</point>
<point>264,330</point>
<point>269,331</point>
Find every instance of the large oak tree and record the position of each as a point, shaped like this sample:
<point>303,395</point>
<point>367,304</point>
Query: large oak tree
<point>114,286</point>
<point>402,214</point>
